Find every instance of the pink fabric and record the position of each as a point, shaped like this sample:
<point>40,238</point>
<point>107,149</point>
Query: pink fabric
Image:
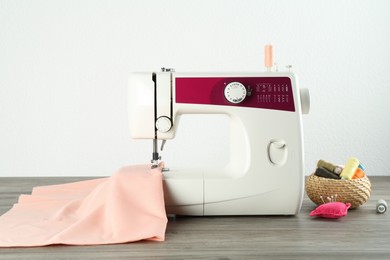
<point>126,207</point>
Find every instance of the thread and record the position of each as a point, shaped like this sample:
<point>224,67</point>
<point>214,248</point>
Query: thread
<point>268,56</point>
<point>381,206</point>
<point>359,173</point>
<point>325,173</point>
<point>329,166</point>
<point>350,168</point>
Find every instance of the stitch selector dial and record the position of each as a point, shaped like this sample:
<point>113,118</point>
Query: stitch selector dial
<point>235,92</point>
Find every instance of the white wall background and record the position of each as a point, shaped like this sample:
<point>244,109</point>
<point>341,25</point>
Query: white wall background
<point>64,68</point>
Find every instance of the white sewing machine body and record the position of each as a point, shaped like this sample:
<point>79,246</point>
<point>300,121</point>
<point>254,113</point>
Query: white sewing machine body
<point>264,175</point>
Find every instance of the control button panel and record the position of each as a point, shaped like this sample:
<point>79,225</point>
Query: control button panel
<point>257,92</point>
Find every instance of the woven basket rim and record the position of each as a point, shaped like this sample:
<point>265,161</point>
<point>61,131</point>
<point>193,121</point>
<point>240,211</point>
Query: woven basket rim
<point>355,191</point>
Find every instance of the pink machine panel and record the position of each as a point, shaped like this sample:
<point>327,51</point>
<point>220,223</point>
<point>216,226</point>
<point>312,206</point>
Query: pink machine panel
<point>262,92</point>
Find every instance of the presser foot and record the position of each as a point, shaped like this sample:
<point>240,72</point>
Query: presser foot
<point>159,164</point>
<point>156,158</point>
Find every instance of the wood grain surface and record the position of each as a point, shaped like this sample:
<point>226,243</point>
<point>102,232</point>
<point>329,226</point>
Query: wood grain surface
<point>362,234</point>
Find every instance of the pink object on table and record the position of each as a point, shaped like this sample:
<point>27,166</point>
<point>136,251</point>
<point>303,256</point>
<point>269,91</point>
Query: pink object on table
<point>331,210</point>
<point>128,206</point>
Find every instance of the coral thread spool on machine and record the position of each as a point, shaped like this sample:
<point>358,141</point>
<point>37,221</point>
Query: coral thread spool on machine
<point>264,175</point>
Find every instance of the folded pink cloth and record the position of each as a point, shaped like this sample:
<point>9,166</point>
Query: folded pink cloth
<point>126,207</point>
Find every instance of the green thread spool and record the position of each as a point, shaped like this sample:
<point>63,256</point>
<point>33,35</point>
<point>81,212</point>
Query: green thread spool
<point>329,166</point>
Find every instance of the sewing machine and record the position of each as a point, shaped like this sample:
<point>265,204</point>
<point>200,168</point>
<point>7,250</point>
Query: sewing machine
<point>265,173</point>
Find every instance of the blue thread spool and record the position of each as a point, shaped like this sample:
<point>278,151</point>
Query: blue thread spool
<point>361,166</point>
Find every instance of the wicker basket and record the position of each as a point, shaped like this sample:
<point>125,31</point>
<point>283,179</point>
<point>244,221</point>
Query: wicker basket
<point>355,191</point>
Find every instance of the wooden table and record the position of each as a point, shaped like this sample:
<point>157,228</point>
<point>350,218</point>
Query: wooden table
<point>362,234</point>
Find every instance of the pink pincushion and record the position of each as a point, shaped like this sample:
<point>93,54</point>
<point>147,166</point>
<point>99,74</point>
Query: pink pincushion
<point>331,210</point>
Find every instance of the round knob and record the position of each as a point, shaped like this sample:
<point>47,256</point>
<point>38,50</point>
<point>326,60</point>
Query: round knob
<point>163,124</point>
<point>235,92</point>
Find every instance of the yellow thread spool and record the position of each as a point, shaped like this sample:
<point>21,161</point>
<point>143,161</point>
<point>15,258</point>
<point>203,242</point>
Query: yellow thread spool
<point>350,168</point>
